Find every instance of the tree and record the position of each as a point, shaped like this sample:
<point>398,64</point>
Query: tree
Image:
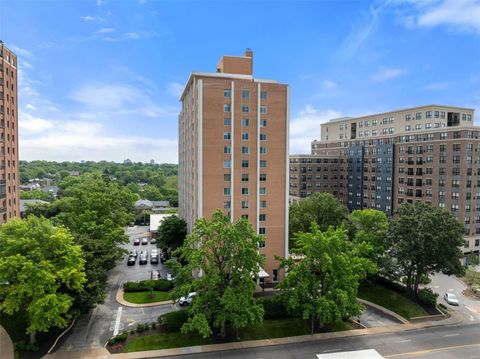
<point>321,208</point>
<point>96,213</point>
<point>323,276</point>
<point>37,194</point>
<point>172,232</point>
<point>226,260</point>
<point>426,240</point>
<point>370,227</point>
<point>43,269</point>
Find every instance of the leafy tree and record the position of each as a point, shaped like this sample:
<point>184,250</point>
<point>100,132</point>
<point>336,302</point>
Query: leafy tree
<point>152,193</point>
<point>96,213</point>
<point>323,276</point>
<point>225,257</point>
<point>370,227</point>
<point>172,232</point>
<point>37,194</point>
<point>321,208</point>
<point>426,240</point>
<point>43,268</point>
<point>472,259</point>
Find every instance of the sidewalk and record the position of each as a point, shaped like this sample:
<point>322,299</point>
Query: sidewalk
<point>120,300</point>
<point>101,354</point>
<point>6,345</point>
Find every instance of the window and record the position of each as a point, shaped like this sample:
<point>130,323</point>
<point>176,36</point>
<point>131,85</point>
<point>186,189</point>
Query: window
<point>263,163</point>
<point>227,177</point>
<point>227,121</point>
<point>227,107</point>
<point>263,137</point>
<point>245,109</point>
<point>227,149</point>
<point>261,230</point>
<point>245,150</point>
<point>226,136</point>
<point>244,216</point>
<point>227,163</point>
<point>244,177</point>
<point>263,109</point>
<point>244,135</point>
<point>428,114</point>
<point>263,150</point>
<point>262,217</point>
<point>244,204</point>
<point>245,163</point>
<point>263,123</point>
<point>418,116</point>
<point>263,190</point>
<point>275,275</point>
<point>226,191</point>
<point>263,95</point>
<point>263,177</point>
<point>245,122</point>
<point>226,205</point>
<point>227,93</point>
<point>245,93</point>
<point>244,191</point>
<point>263,204</point>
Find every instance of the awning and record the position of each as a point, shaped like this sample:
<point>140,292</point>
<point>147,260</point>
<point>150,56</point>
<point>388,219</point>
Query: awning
<point>262,273</point>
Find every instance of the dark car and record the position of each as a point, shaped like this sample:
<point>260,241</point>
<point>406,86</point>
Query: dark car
<point>131,261</point>
<point>154,259</point>
<point>136,242</point>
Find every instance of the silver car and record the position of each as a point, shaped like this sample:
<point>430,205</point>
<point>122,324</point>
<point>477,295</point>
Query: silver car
<point>450,298</point>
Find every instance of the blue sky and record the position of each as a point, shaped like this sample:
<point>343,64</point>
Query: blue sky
<point>100,79</point>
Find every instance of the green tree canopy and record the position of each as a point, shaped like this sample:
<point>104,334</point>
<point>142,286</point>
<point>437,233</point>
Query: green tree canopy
<point>37,194</point>
<point>426,239</point>
<point>172,232</point>
<point>323,276</point>
<point>43,268</point>
<point>321,208</point>
<point>226,258</point>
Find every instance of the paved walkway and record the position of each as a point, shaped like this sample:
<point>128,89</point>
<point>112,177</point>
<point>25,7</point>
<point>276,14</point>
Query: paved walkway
<point>6,345</point>
<point>122,301</point>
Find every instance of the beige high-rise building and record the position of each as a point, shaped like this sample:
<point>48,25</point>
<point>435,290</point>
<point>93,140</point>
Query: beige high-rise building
<point>233,152</point>
<point>9,194</point>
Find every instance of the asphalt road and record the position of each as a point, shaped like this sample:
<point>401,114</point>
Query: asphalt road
<point>446,342</point>
<point>95,328</point>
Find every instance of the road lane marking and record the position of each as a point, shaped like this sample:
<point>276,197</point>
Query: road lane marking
<point>117,321</point>
<point>404,341</point>
<point>428,351</point>
<point>451,335</point>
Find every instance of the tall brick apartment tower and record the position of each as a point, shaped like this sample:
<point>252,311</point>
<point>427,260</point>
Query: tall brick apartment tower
<point>233,152</point>
<point>9,200</point>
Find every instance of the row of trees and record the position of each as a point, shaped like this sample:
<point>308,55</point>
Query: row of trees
<point>59,257</point>
<point>331,254</point>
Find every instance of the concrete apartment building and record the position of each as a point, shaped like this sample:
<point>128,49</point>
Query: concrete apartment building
<point>9,193</point>
<point>233,152</point>
<point>427,153</point>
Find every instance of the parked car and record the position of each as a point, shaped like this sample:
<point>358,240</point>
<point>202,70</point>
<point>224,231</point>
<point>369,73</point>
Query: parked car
<point>187,300</point>
<point>154,252</point>
<point>143,257</point>
<point>153,241</point>
<point>136,242</point>
<point>154,258</point>
<point>133,253</point>
<point>450,298</point>
<point>155,275</point>
<point>131,261</point>
<point>144,240</point>
<point>169,276</point>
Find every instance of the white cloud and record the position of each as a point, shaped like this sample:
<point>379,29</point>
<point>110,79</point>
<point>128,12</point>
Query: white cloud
<point>89,18</point>
<point>100,2</point>
<point>175,89</point>
<point>132,35</point>
<point>437,86</point>
<point>388,74</point>
<point>30,106</point>
<point>31,125</point>
<point>21,52</point>
<point>106,30</point>
<point>459,15</point>
<point>305,127</point>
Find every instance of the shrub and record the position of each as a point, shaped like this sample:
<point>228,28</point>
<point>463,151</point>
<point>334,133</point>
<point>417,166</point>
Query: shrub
<point>173,321</point>
<point>425,279</point>
<point>27,347</point>
<point>141,328</point>
<point>119,338</point>
<point>274,308</point>
<point>162,285</point>
<point>427,296</point>
<point>154,325</point>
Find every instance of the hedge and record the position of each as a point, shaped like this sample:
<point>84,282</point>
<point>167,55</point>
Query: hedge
<point>427,296</point>
<point>161,285</point>
<point>173,321</point>
<point>118,338</point>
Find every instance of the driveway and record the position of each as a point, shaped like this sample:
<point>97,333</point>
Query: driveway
<point>469,309</point>
<point>95,328</point>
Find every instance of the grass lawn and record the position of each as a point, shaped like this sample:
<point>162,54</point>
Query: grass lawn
<point>144,297</point>
<point>273,328</point>
<point>392,300</point>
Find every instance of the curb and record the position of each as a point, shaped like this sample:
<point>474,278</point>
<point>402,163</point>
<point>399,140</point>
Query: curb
<point>120,300</point>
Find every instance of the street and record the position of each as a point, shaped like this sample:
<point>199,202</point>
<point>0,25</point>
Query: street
<point>94,329</point>
<point>444,342</point>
